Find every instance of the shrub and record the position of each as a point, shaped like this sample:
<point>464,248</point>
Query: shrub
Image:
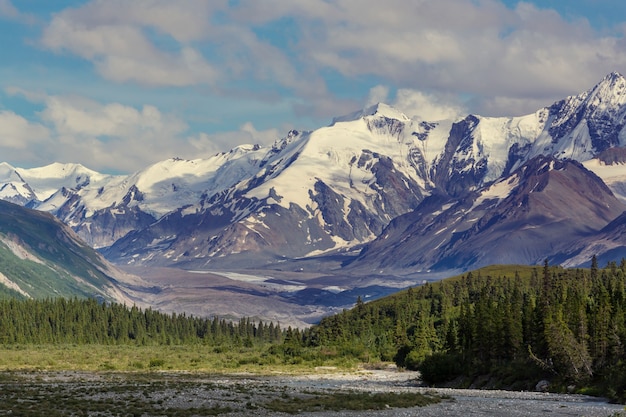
<point>441,367</point>
<point>414,359</point>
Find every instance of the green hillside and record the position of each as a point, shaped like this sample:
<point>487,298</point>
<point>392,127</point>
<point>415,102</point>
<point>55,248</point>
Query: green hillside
<point>497,327</point>
<point>43,258</point>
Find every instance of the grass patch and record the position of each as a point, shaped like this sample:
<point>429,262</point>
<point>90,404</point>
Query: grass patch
<point>354,401</point>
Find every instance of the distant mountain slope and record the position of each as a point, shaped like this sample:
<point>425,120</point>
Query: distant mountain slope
<point>533,214</point>
<point>609,244</point>
<point>41,257</point>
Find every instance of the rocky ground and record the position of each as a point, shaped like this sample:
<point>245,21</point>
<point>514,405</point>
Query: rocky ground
<point>463,402</point>
<point>179,394</point>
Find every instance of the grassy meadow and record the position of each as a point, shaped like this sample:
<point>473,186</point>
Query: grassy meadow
<point>187,358</point>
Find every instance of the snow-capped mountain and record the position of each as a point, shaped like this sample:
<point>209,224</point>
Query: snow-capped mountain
<point>335,189</point>
<point>103,208</point>
<point>313,192</point>
<point>38,184</point>
<point>534,213</point>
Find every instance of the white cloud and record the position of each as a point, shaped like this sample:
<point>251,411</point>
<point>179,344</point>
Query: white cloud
<point>262,137</point>
<point>24,142</point>
<point>429,107</point>
<point>114,136</point>
<point>474,48</point>
<point>512,106</point>
<point>32,96</point>
<point>84,117</point>
<point>418,104</point>
<point>499,60</point>
<point>109,137</point>
<point>378,94</point>
<point>183,20</point>
<point>7,9</point>
<point>17,133</point>
<point>114,36</point>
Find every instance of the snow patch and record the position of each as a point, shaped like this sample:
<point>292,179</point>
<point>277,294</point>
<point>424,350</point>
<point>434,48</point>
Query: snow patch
<point>497,191</point>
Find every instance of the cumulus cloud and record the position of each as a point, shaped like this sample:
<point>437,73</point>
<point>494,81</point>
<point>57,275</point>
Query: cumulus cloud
<point>474,48</point>
<point>378,94</point>
<point>164,43</point>
<point>17,133</point>
<point>113,135</point>
<point>512,106</point>
<point>114,35</point>
<point>418,104</point>
<point>19,138</point>
<point>430,107</point>
<point>7,9</point>
<point>110,137</point>
<point>478,48</point>
<point>81,116</point>
<point>439,58</point>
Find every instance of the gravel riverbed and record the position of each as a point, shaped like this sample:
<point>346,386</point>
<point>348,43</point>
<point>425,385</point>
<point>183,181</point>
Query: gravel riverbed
<point>464,402</point>
<point>182,394</point>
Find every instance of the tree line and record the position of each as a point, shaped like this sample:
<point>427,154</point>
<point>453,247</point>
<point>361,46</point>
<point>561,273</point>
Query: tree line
<point>518,324</point>
<point>88,321</point>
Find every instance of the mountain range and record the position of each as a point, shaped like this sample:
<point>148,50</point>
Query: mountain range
<point>374,194</point>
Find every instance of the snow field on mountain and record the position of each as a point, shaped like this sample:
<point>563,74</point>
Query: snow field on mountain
<point>614,176</point>
<point>331,154</point>
<point>497,191</point>
<point>494,137</point>
<point>47,180</point>
<point>435,142</point>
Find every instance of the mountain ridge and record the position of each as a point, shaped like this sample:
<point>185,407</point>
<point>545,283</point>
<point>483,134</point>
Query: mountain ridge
<point>331,190</point>
<point>524,218</point>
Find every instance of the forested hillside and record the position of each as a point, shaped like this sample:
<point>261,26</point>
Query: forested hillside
<point>516,325</point>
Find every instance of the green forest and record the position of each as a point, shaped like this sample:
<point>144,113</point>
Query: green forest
<point>87,321</point>
<point>514,324</point>
<point>509,325</point>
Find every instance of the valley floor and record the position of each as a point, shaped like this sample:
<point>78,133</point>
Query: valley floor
<point>188,394</point>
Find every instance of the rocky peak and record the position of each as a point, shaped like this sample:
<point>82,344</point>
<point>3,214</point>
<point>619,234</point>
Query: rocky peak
<point>459,168</point>
<point>600,110</point>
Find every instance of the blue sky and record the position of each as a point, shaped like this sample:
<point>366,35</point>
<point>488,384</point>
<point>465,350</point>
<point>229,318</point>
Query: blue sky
<point>117,85</point>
